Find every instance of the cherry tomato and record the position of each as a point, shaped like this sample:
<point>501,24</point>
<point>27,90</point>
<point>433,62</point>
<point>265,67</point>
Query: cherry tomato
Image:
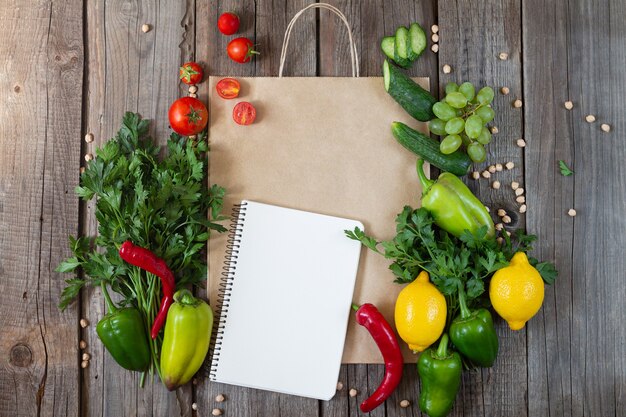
<point>228,88</point>
<point>244,113</point>
<point>228,23</point>
<point>190,73</point>
<point>188,116</point>
<point>240,50</point>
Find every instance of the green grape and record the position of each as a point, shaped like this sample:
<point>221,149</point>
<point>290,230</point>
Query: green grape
<point>455,126</point>
<point>476,152</point>
<point>484,137</point>
<point>450,144</point>
<point>468,90</point>
<point>451,87</point>
<point>437,126</point>
<point>456,100</point>
<point>443,111</point>
<point>485,95</point>
<point>473,126</point>
<point>486,113</point>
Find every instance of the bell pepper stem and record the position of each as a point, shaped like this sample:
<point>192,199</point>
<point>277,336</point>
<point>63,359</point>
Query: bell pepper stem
<point>185,297</point>
<point>442,349</point>
<point>426,182</point>
<point>355,307</point>
<point>107,298</point>
<point>465,313</point>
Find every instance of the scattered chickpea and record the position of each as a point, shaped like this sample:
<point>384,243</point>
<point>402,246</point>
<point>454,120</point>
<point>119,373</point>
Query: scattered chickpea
<point>193,95</point>
<point>500,240</point>
<point>521,199</point>
<point>508,233</point>
<point>486,174</point>
<point>447,69</point>
<point>506,219</point>
<point>82,344</point>
<point>353,392</point>
<point>519,191</point>
<point>86,356</point>
<point>89,137</point>
<point>505,90</point>
<point>569,105</point>
<point>405,403</point>
<point>145,28</point>
<point>435,38</point>
<point>434,48</point>
<point>494,130</point>
<point>503,56</point>
<point>194,406</point>
<point>522,208</point>
<point>495,185</point>
<point>498,167</point>
<point>434,28</point>
<point>501,212</point>
<point>590,118</point>
<point>88,157</point>
<point>509,165</point>
<point>476,175</point>
<point>499,226</point>
<point>84,323</point>
<point>605,127</point>
<point>84,364</point>
<point>571,212</point>
<point>194,381</point>
<point>216,412</point>
<point>515,185</point>
<point>192,137</point>
<point>492,169</point>
<point>488,209</point>
<point>193,89</point>
<point>517,103</point>
<point>219,398</point>
<point>521,143</point>
<point>81,170</point>
<point>339,386</point>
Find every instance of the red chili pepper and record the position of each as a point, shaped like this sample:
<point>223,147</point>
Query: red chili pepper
<point>145,259</point>
<point>369,317</point>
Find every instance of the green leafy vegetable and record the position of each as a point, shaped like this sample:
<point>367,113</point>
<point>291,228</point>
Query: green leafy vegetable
<point>160,203</point>
<point>565,170</point>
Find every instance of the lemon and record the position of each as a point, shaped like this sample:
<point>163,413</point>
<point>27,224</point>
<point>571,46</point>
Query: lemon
<point>516,291</point>
<point>420,313</point>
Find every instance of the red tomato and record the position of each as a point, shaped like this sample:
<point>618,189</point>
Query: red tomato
<point>240,50</point>
<point>188,116</point>
<point>244,113</point>
<point>228,88</point>
<point>228,23</point>
<point>190,73</point>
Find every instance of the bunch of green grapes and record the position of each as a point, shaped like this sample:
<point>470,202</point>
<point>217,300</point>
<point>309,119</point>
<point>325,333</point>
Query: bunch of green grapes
<point>462,117</point>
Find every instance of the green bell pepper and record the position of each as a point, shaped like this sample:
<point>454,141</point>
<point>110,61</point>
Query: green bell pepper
<point>186,339</point>
<point>440,374</point>
<point>452,204</point>
<point>474,334</point>
<point>123,334</point>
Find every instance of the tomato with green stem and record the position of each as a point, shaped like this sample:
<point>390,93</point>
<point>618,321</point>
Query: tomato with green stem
<point>191,73</point>
<point>188,116</point>
<point>241,50</point>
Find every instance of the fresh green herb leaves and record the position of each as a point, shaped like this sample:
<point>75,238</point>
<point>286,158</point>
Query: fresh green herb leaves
<point>157,203</point>
<point>565,170</point>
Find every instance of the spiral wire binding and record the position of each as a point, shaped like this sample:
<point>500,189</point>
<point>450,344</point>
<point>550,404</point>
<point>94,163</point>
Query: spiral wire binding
<point>226,285</point>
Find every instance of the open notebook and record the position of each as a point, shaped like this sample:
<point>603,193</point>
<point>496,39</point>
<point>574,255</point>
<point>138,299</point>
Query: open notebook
<point>285,300</point>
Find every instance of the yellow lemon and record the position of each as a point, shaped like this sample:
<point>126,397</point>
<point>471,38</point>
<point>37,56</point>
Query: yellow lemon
<point>420,313</point>
<point>516,291</point>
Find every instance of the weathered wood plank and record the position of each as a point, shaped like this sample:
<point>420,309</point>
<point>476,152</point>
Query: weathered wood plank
<point>39,136</point>
<point>580,312</point>
<point>128,70</point>
<point>472,34</point>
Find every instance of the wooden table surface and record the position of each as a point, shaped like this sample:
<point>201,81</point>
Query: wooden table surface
<point>72,67</point>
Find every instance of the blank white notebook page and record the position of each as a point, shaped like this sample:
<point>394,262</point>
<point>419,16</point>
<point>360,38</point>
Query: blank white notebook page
<point>288,310</point>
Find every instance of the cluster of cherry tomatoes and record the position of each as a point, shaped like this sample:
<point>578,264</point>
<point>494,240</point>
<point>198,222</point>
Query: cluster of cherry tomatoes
<point>239,49</point>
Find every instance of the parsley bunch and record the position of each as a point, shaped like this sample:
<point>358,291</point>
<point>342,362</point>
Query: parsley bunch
<point>466,262</point>
<point>159,203</point>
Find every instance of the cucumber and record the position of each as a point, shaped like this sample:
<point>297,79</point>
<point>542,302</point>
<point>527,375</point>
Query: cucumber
<point>417,38</point>
<point>457,163</point>
<point>401,47</point>
<point>413,98</point>
<point>388,46</point>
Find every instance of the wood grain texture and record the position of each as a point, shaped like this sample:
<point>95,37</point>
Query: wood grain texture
<point>580,314</point>
<point>472,34</point>
<point>41,80</point>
